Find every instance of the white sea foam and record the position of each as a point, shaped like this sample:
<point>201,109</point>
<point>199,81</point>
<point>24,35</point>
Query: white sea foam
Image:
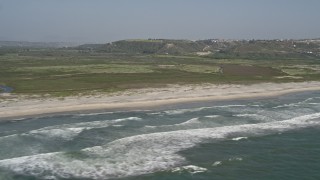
<point>18,119</point>
<point>126,119</point>
<point>155,113</point>
<point>103,123</point>
<point>255,105</point>
<point>235,159</point>
<point>287,105</point>
<point>246,115</point>
<point>117,125</point>
<point>140,154</point>
<point>186,123</point>
<point>217,163</point>
<point>212,116</point>
<point>297,104</point>
<point>313,103</point>
<point>311,99</point>
<point>192,169</point>
<point>8,136</point>
<point>239,138</point>
<point>191,121</point>
<point>183,111</point>
<point>68,131</point>
<point>65,133</point>
<point>254,116</point>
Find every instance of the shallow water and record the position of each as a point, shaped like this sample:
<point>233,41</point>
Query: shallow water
<point>247,139</point>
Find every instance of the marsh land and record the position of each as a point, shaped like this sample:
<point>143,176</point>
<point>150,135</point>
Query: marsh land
<point>131,64</point>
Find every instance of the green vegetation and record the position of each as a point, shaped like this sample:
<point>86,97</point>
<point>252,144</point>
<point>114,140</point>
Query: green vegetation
<point>86,69</point>
<point>152,63</point>
<point>201,68</point>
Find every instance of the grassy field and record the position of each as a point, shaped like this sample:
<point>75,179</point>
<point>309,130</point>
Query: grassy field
<point>63,72</point>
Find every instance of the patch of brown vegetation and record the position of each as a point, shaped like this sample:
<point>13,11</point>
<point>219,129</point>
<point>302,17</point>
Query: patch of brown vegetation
<point>240,70</point>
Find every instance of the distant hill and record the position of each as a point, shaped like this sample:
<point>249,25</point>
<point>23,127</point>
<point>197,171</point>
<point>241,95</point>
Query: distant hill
<point>212,47</point>
<point>150,46</point>
<point>25,44</point>
<point>216,48</point>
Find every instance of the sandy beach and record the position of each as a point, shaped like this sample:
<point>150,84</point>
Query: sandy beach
<point>14,106</point>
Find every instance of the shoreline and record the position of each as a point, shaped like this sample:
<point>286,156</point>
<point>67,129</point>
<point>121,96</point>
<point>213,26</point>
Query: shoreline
<point>148,98</point>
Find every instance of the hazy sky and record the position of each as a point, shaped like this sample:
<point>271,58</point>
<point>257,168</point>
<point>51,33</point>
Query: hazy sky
<point>110,20</point>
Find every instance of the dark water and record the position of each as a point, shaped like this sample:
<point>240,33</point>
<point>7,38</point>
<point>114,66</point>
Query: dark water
<point>274,138</point>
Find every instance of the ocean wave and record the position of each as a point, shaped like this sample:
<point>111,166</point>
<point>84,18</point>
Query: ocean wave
<point>186,123</point>
<point>239,138</point>
<point>69,131</point>
<point>254,116</point>
<point>183,111</point>
<point>311,99</point>
<point>308,101</point>
<point>139,154</point>
<point>126,119</point>
<point>234,105</point>
<point>117,125</point>
<point>287,105</point>
<point>64,133</point>
<point>235,159</point>
<point>217,163</point>
<point>212,116</point>
<point>8,136</point>
<point>313,103</point>
<point>105,113</point>
<point>192,169</point>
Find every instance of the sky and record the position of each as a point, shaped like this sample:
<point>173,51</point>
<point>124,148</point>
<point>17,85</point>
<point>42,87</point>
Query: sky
<point>102,21</point>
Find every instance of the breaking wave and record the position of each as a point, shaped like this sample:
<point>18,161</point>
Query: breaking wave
<point>140,154</point>
<point>68,131</point>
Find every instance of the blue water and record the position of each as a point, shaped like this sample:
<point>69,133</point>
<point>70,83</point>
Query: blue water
<point>274,138</point>
<point>5,89</point>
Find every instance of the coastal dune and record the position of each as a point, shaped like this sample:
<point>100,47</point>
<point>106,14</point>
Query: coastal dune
<point>14,106</point>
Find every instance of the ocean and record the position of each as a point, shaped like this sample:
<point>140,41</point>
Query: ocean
<point>269,138</point>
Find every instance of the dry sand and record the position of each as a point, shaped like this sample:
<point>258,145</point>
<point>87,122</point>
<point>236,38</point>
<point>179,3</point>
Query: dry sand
<point>12,106</point>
